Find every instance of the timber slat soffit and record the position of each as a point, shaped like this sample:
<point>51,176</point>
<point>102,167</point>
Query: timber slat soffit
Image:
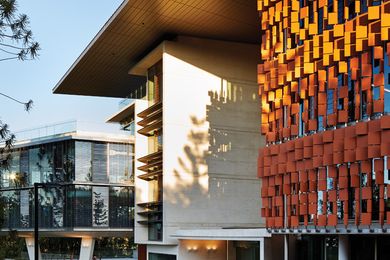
<point>138,26</point>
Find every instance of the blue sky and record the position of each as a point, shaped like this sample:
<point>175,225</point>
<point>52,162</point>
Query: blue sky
<point>63,28</point>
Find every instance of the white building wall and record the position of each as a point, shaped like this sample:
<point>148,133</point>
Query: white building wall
<point>211,135</point>
<point>141,186</point>
<point>203,250</point>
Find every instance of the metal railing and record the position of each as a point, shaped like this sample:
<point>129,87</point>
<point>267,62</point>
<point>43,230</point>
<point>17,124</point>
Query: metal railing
<point>71,126</point>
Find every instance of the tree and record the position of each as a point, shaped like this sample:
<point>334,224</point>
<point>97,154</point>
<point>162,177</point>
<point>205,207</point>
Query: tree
<point>7,138</point>
<point>16,42</point>
<point>16,39</point>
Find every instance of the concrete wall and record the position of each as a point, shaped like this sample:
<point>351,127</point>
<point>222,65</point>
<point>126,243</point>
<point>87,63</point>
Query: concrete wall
<point>141,186</point>
<point>210,134</point>
<point>202,250</point>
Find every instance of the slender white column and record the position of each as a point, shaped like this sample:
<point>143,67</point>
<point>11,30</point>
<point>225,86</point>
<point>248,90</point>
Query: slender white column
<point>30,248</point>
<point>285,247</point>
<point>343,247</point>
<point>261,246</point>
<point>86,248</point>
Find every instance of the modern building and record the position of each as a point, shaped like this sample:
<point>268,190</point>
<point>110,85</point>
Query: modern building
<point>191,72</point>
<point>325,94</point>
<point>86,184</point>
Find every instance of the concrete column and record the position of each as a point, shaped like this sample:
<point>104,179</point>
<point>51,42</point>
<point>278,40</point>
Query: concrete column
<point>30,248</point>
<point>86,248</point>
<point>262,247</point>
<point>285,247</point>
<point>343,247</point>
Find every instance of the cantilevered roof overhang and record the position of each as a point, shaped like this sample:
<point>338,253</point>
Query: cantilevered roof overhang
<point>124,113</point>
<point>138,26</point>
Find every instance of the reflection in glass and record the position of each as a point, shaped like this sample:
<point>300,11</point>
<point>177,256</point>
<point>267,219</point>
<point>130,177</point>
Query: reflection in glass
<point>83,154</point>
<point>82,206</point>
<point>100,206</point>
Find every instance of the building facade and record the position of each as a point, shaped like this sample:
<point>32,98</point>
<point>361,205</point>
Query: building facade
<point>191,72</point>
<point>325,99</point>
<point>193,163</point>
<point>86,186</point>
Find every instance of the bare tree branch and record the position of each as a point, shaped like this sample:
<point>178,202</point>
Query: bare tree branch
<point>27,105</point>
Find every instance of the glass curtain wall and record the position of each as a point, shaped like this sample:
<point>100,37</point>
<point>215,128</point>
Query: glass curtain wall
<point>155,83</point>
<point>73,205</point>
<point>83,206</point>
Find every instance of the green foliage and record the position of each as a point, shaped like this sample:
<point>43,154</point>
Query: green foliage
<point>11,245</point>
<point>114,247</point>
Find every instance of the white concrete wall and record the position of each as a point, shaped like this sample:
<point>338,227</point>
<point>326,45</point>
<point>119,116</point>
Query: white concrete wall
<point>202,250</point>
<point>211,135</point>
<point>141,186</point>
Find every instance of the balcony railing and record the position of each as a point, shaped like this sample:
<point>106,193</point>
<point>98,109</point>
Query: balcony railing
<point>61,128</point>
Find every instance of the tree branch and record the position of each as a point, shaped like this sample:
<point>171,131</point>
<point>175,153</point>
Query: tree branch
<point>14,47</point>
<point>13,53</point>
<point>27,105</point>
<point>12,58</point>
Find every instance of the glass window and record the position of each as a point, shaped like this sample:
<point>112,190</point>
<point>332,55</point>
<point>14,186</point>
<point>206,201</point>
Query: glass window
<point>83,154</point>
<point>68,160</point>
<point>364,105</point>
<point>154,256</point>
<point>320,203</point>
<point>34,162</point>
<point>11,209</point>
<point>311,11</point>
<point>320,123</point>
<point>363,247</point>
<point>311,107</point>
<point>100,206</point>
<point>351,94</point>
<point>301,122</point>
<point>24,168</point>
<point>340,104</point>
<point>82,206</point>
<point>120,163</point>
<point>329,101</point>
<point>332,248</point>
<point>376,93</point>
<point>121,210</point>
<point>351,9</point>
<point>320,20</point>
<point>155,231</point>
<point>340,11</point>
<point>99,162</point>
<point>51,202</point>
<point>363,6</point>
<point>11,177</point>
<point>25,208</point>
<point>387,81</point>
<point>246,250</point>
<point>285,121</point>
<point>155,83</point>
<point>45,163</point>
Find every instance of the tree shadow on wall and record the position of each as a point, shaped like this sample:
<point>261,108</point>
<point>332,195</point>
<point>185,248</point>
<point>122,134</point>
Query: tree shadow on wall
<point>209,156</point>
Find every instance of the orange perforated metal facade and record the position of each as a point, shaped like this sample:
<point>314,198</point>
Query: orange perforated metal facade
<point>324,88</point>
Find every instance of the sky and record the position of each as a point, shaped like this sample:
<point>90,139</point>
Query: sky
<point>63,29</point>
